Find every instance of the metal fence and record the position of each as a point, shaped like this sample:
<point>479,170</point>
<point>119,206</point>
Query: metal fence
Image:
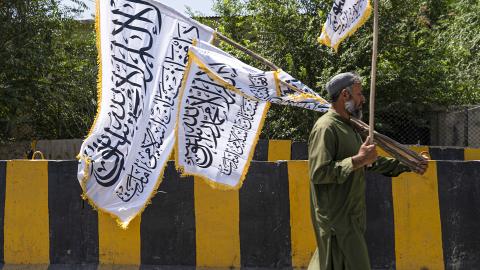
<point>408,124</point>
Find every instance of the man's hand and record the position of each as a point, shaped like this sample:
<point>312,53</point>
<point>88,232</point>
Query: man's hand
<point>424,164</point>
<point>367,154</point>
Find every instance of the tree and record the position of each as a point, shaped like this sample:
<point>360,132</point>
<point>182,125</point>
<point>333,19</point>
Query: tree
<point>47,71</point>
<point>458,36</point>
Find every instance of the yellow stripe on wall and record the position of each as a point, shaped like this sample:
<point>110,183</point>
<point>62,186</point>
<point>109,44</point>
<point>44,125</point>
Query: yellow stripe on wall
<point>279,150</point>
<point>26,227</point>
<point>418,235</point>
<point>382,152</point>
<point>472,154</point>
<point>116,245</point>
<point>416,148</point>
<point>217,226</point>
<point>302,234</point>
<point>419,149</point>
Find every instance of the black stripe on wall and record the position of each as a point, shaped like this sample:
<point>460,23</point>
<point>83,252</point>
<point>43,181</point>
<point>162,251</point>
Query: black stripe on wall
<point>3,177</point>
<point>299,151</point>
<point>261,150</point>
<point>265,216</point>
<point>380,234</point>
<point>437,153</point>
<point>167,229</point>
<point>73,222</point>
<point>459,198</point>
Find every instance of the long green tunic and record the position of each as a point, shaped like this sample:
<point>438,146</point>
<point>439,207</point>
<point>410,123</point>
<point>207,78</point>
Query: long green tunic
<point>337,193</point>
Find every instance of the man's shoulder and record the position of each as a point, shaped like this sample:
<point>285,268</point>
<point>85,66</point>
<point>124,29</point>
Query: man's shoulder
<point>324,129</point>
<point>324,122</point>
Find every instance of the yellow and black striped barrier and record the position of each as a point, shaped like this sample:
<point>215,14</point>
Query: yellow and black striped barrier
<point>288,150</point>
<point>292,150</point>
<point>414,222</point>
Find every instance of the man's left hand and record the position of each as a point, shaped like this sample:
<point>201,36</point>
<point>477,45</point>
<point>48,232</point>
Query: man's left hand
<point>423,167</point>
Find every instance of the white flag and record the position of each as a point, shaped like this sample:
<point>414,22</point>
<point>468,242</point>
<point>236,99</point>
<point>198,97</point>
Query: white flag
<point>273,86</point>
<point>345,17</point>
<point>222,109</point>
<point>143,48</point>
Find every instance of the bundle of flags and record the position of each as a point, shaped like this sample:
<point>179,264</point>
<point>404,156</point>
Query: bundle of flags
<point>163,86</point>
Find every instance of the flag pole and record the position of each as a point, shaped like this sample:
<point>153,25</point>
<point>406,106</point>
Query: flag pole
<point>237,46</point>
<point>374,72</point>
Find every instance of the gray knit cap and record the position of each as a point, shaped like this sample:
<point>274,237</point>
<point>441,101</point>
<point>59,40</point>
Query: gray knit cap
<point>340,82</point>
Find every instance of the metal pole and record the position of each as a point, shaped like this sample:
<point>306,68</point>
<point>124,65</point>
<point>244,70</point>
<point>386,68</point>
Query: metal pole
<point>465,127</point>
<point>374,71</point>
<point>257,57</point>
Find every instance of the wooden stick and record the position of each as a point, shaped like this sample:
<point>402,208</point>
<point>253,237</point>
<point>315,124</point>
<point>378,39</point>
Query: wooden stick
<point>247,51</point>
<point>395,149</point>
<point>371,121</point>
<point>291,86</point>
<point>392,144</point>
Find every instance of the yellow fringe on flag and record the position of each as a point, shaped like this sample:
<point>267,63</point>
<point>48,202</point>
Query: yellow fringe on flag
<point>98,43</point>
<point>326,40</point>
<point>192,58</point>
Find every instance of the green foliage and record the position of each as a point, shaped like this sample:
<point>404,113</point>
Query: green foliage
<point>47,71</point>
<point>458,36</point>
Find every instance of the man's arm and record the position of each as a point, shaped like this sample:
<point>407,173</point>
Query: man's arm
<point>389,167</point>
<point>321,150</point>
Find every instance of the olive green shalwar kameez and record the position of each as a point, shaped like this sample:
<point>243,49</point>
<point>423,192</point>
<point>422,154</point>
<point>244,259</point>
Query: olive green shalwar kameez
<point>337,193</point>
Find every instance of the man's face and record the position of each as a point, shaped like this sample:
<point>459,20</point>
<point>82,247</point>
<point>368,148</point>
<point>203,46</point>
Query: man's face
<point>355,101</point>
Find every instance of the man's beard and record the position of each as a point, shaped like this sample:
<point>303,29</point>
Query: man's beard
<point>354,112</point>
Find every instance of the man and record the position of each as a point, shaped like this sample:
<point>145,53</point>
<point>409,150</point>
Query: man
<point>337,162</point>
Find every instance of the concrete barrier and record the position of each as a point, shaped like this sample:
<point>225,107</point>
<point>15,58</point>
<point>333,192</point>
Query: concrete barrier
<point>266,149</point>
<point>414,222</point>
